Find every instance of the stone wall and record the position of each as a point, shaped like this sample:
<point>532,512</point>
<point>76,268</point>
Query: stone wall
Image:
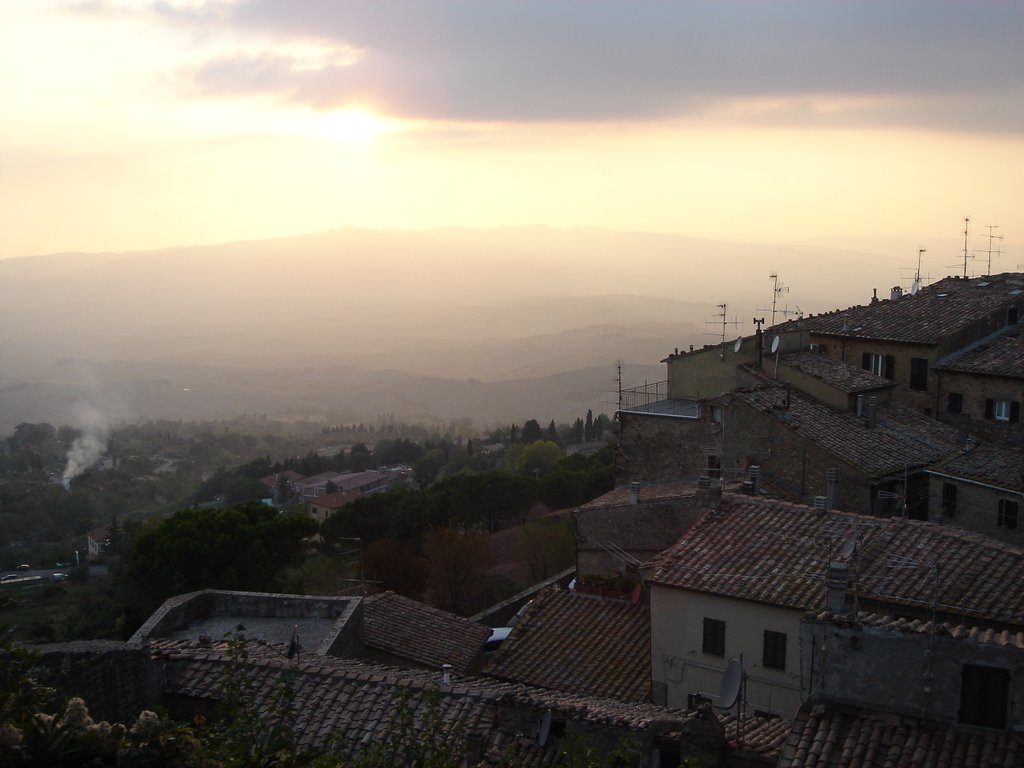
<point>975,390</point>
<point>116,680</point>
<point>977,509</point>
<point>656,448</point>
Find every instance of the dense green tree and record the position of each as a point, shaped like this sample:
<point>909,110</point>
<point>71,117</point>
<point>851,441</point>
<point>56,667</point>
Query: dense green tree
<point>242,547</point>
<point>588,427</point>
<point>552,432</point>
<point>532,432</point>
<point>426,468</point>
<point>359,458</point>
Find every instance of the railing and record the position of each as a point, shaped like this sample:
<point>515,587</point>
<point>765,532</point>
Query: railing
<point>645,394</point>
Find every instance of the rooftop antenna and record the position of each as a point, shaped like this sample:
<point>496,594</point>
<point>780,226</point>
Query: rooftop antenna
<point>967,220</point>
<point>916,285</point>
<point>725,322</point>
<point>778,289</point>
<point>992,236</point>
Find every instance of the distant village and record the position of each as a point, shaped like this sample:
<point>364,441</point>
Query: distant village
<point>813,558</point>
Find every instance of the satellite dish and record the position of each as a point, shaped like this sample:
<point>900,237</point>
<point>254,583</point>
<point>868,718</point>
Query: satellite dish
<point>738,344</point>
<point>732,682</point>
<point>545,728</point>
<point>915,287</point>
<point>847,549</point>
<point>775,345</point>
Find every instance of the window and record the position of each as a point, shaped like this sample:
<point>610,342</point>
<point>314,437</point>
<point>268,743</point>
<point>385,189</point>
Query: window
<point>1011,315</point>
<point>948,498</point>
<point>714,637</point>
<point>1002,410</point>
<point>919,374</point>
<point>716,414</point>
<point>880,365</point>
<point>955,403</point>
<point>774,650</point>
<point>1007,515</point>
<point>983,696</point>
<point>714,468</point>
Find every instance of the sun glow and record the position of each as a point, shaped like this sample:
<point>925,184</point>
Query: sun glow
<point>352,126</point>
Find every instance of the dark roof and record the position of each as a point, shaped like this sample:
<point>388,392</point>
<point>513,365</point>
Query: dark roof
<point>934,313</point>
<point>964,632</point>
<point>998,355</point>
<point>842,376</point>
<point>649,492</point>
<point>429,636</point>
<point>1001,466</point>
<point>901,436</point>
<point>830,736</point>
<point>776,553</point>
<point>335,500</point>
<point>353,705</point>
<point>674,406</point>
<point>580,643</point>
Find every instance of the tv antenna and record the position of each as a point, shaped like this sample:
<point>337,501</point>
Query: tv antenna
<point>723,317</point>
<point>777,290</point>
<point>991,236</point>
<point>967,220</point>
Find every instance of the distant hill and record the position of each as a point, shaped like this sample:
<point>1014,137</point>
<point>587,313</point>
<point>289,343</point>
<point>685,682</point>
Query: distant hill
<point>497,325</point>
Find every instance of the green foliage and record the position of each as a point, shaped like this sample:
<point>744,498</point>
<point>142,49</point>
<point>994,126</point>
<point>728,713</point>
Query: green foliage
<point>242,547</point>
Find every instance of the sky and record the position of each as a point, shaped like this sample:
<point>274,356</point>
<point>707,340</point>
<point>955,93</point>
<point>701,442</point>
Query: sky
<point>137,124</point>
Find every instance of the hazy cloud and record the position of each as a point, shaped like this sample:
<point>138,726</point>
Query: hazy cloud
<point>920,62</point>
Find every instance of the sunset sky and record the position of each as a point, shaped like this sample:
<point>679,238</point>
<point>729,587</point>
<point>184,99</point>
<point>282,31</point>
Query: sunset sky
<point>127,124</point>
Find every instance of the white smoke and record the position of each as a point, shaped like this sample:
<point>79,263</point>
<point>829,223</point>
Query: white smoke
<point>90,446</point>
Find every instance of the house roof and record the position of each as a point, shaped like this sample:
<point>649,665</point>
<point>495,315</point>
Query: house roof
<point>901,436</point>
<point>409,629</point>
<point>964,632</point>
<point>830,736</point>
<point>335,500</point>
<point>579,643</point>
<point>777,553</point>
<point>649,492</point>
<point>999,355</point>
<point>1001,466</point>
<point>842,376</point>
<point>351,705</point>
<point>273,479</point>
<point>935,312</point>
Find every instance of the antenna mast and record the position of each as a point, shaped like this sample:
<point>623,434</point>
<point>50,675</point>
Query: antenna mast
<point>991,237</point>
<point>967,220</point>
<point>725,322</point>
<point>778,289</point>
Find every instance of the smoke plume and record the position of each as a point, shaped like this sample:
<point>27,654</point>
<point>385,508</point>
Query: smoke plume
<point>87,449</point>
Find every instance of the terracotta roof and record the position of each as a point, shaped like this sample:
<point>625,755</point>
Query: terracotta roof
<point>964,632</point>
<point>351,705</point>
<point>273,479</point>
<point>579,643</point>
<point>842,376</point>
<point>934,313</point>
<point>409,629</point>
<point>831,736</point>
<point>335,500</point>
<point>901,436</point>
<point>1001,466</point>
<point>649,492</point>
<point>777,553</point>
<point>999,355</point>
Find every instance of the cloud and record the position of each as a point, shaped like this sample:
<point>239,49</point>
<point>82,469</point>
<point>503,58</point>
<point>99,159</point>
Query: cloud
<point>542,60</point>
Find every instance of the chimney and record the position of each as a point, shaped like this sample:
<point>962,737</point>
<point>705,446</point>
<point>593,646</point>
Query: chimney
<point>755,476</point>
<point>634,493</point>
<point>703,483</point>
<point>716,498</point>
<point>758,347</point>
<point>446,675</point>
<point>896,293</point>
<point>748,487</point>
<point>872,410</point>
<point>836,584</point>
<point>820,505</point>
<point>874,295</point>
<point>832,486</point>
<point>860,405</point>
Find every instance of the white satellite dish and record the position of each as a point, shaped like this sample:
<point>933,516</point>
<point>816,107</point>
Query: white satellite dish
<point>915,287</point>
<point>848,546</point>
<point>545,728</point>
<point>775,345</point>
<point>732,683</point>
<point>738,344</point>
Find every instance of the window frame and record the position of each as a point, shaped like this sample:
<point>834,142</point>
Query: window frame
<point>949,498</point>
<point>954,403</point>
<point>713,641</point>
<point>1008,514</point>
<point>919,374</point>
<point>773,650</point>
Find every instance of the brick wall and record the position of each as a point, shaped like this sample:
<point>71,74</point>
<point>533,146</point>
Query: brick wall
<point>116,680</point>
<point>655,448</point>
<point>976,509</point>
<point>974,390</point>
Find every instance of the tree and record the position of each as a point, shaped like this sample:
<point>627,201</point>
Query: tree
<point>538,458</point>
<point>588,427</point>
<point>396,566</point>
<point>457,566</point>
<point>427,466</point>
<point>532,432</point>
<point>359,457</point>
<point>241,547</point>
<point>578,431</point>
<point>548,546</point>
<point>552,433</point>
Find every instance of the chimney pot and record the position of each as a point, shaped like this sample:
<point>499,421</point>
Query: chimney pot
<point>820,504</point>
<point>860,405</point>
<point>837,582</point>
<point>716,497</point>
<point>634,492</point>
<point>872,410</point>
<point>703,483</point>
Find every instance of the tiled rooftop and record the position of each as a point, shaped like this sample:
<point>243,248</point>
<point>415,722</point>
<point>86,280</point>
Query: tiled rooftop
<point>935,312</point>
<point>999,355</point>
<point>832,736</point>
<point>901,437</point>
<point>409,629</point>
<point>1001,466</point>
<point>964,632</point>
<point>336,500</point>
<point>777,553</point>
<point>581,644</point>
<point>351,705</point>
<point>842,376</point>
<point>649,492</point>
